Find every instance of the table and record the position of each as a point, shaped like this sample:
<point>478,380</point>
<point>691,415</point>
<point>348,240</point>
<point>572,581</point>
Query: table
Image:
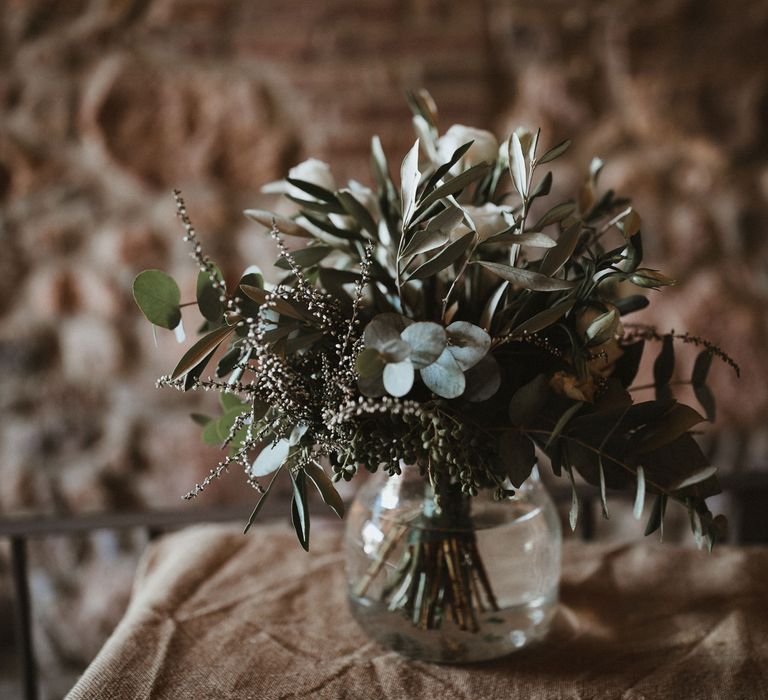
<point>216,614</point>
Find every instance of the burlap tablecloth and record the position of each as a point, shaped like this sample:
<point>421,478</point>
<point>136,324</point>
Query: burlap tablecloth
<point>216,614</point>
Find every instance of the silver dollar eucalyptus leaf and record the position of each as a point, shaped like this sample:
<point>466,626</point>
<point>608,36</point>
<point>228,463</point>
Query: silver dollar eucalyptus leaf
<point>444,377</point>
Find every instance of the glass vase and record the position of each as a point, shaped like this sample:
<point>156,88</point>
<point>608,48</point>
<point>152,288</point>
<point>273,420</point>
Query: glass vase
<point>453,579</point>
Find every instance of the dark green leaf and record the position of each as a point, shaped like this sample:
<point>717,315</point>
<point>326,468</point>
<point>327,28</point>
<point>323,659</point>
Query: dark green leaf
<point>442,171</point>
<point>208,298</point>
<point>554,152</point>
<point>447,256</point>
<point>316,206</point>
<point>557,257</point>
<point>557,213</point>
<point>424,241</point>
<point>158,297</point>
<point>305,257</point>
<point>358,212</point>
<point>260,504</point>
<point>544,319</point>
<point>483,380</point>
<point>656,519</point>
<point>528,401</point>
<point>526,278</point>
<point>282,306</point>
<point>562,422</point>
<point>701,368</point>
<point>628,305</point>
<point>286,226</point>
<point>200,418</point>
<point>677,420</point>
<point>314,190</point>
<point>203,347</point>
<point>518,455</point>
<point>542,189</point>
<point>706,398</point>
<point>664,366</point>
<point>193,375</point>
<point>299,508</point>
<point>444,377</point>
<point>326,488</point>
<point>228,362</point>
<point>486,319</point>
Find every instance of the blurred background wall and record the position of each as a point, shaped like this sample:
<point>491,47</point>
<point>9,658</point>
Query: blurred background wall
<point>106,105</point>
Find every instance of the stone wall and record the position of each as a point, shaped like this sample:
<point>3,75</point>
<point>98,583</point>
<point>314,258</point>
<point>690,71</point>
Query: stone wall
<point>106,105</point>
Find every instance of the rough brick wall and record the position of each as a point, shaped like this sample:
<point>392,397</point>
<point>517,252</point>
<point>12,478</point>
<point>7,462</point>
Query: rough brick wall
<point>105,105</point>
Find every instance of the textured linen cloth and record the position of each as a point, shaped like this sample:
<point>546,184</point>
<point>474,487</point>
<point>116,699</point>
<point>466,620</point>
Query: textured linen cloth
<point>216,614</point>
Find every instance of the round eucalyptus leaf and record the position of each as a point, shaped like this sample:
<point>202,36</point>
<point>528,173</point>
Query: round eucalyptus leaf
<point>270,458</point>
<point>483,380</point>
<point>158,297</point>
<point>208,298</point>
<point>372,387</point>
<point>427,342</point>
<point>380,332</point>
<point>468,343</point>
<point>398,378</point>
<point>369,363</point>
<point>444,377</point>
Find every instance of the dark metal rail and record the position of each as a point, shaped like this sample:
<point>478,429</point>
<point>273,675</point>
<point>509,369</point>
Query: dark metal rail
<point>749,491</point>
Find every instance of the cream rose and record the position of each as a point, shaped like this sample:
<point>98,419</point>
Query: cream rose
<point>489,220</point>
<point>311,170</point>
<point>484,149</point>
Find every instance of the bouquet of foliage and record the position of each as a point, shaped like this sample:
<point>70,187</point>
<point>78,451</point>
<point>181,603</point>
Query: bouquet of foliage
<point>458,322</point>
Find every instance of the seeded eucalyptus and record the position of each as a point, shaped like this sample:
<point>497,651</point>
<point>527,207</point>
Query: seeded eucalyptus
<point>460,321</point>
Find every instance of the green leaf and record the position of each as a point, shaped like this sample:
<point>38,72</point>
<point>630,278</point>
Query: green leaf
<point>427,341</point>
<point>701,368</point>
<point>542,189</point>
<point>409,182</point>
<point>532,239</point>
<point>528,401</point>
<point>454,185</point>
<point>444,377</point>
<point>317,206</point>
<point>517,166</point>
<point>158,297</point>
<point>650,279</point>
<point>208,298</point>
<point>228,362</point>
<point>526,278</point>
<point>706,398</point>
<point>554,152</point>
<point>358,211</point>
<point>486,319</point>
<point>229,401</point>
<point>314,190</point>
<point>286,226</point>
<point>562,422</point>
<point>677,420</point>
<point>270,458</point>
<point>630,304</point>
<point>282,306</point>
<point>423,241</point>
<point>200,418</point>
<point>443,170</point>
<point>203,347</point>
<point>518,455</point>
<point>299,508</point>
<point>559,255</point>
<point>369,363</point>
<point>210,434</point>
<point>261,503</point>
<point>557,213</point>
<point>305,257</point>
<point>398,378</point>
<point>483,380</point>
<point>467,343</point>
<point>325,487</point>
<point>381,334</point>
<point>544,319</point>
<point>603,328</point>
<point>447,256</point>
<point>656,519</point>
<point>637,510</point>
<point>573,513</point>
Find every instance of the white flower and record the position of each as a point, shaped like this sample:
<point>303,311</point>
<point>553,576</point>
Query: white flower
<point>311,170</point>
<point>488,220</point>
<point>484,149</point>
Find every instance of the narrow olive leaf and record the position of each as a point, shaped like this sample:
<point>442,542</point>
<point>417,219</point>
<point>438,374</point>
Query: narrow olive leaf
<point>454,185</point>
<point>299,508</point>
<point>630,224</point>
<point>562,422</point>
<point>282,306</point>
<point>555,214</point>
<point>534,145</point>
<point>637,510</point>
<point>228,362</point>
<point>517,165</point>
<point>200,349</point>
<point>447,256</point>
<point>603,328</point>
<point>305,257</point>
<point>573,513</point>
<point>701,368</point>
<point>409,182</point>
<point>424,241</point>
<point>444,376</point>
<point>532,239</point>
<point>381,166</point>
<point>442,171</point>
<point>326,226</point>
<point>468,343</point>
<point>358,211</point>
<point>316,205</point>
<point>208,297</point>
<point>543,188</point>
<point>286,226</point>
<point>486,318</point>
<point>398,378</point>
<point>630,304</point>
<point>325,487</point>
<point>664,365</point>
<point>526,278</point>
<point>446,220</point>
<point>656,519</point>
<point>557,257</point>
<point>544,319</point>
<point>158,297</point>
<point>677,420</point>
<point>260,504</point>
<point>314,190</point>
<point>554,152</point>
<point>696,478</point>
<point>270,458</point>
<point>200,418</point>
<point>650,279</point>
<point>427,341</point>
